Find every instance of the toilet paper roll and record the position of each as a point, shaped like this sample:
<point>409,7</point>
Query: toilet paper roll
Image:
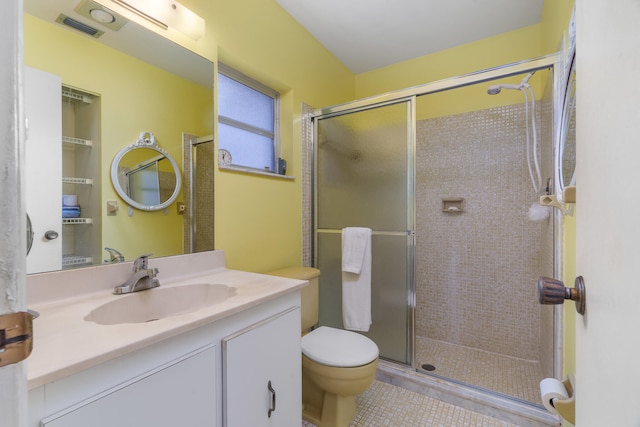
<point>550,389</point>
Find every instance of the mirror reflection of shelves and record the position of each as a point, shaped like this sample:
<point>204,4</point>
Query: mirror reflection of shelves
<point>81,165</point>
<point>77,141</point>
<point>70,261</point>
<point>77,221</point>
<point>73,180</point>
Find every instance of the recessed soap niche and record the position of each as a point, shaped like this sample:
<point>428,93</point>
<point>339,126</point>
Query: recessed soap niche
<point>453,205</point>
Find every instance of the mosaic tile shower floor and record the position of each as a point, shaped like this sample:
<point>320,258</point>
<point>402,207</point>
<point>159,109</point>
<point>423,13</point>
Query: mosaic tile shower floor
<point>390,406</point>
<point>515,377</point>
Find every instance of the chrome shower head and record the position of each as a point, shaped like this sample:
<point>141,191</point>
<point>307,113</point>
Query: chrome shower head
<point>494,90</point>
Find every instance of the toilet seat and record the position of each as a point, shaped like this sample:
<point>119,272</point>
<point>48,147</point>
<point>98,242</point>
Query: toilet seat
<point>338,348</point>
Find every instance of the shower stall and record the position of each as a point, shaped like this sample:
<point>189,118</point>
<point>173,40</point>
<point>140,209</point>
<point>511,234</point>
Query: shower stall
<point>446,177</point>
<point>198,154</point>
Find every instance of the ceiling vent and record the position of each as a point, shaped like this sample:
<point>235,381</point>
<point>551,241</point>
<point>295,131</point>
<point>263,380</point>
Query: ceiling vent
<point>77,25</point>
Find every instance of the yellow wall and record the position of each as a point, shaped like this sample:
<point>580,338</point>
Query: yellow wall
<point>555,19</point>
<point>504,48</point>
<point>131,103</point>
<point>525,43</point>
<point>259,219</point>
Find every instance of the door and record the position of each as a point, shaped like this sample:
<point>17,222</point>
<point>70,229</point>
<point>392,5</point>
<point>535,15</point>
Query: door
<point>608,213</point>
<point>262,374</point>
<point>364,177</point>
<point>43,150</point>
<point>13,378</point>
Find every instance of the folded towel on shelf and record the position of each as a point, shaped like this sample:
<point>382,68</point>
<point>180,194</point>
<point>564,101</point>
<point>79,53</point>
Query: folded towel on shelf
<point>70,211</point>
<point>356,278</point>
<point>69,200</point>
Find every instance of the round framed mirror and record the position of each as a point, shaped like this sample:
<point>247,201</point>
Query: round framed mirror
<point>145,176</point>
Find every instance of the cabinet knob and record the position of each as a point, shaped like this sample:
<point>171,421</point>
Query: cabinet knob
<point>553,291</point>
<point>51,235</point>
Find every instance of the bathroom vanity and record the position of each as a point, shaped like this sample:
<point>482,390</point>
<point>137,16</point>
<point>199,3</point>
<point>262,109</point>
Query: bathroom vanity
<point>233,362</point>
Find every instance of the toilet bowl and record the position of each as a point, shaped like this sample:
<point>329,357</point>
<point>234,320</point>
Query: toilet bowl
<point>337,365</point>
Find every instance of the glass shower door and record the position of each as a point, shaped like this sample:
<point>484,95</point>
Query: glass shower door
<point>364,178</point>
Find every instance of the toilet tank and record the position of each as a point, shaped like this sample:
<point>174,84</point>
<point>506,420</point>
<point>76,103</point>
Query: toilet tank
<point>308,295</point>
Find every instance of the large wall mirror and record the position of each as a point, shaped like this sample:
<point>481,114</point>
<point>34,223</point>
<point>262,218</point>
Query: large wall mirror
<point>137,81</point>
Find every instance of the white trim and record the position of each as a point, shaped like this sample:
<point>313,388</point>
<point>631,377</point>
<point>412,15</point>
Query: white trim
<point>247,170</point>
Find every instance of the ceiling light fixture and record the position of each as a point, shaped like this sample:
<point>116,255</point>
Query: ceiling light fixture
<point>167,14</point>
<point>102,16</point>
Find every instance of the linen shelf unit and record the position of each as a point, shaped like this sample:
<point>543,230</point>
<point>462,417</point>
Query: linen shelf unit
<point>81,165</point>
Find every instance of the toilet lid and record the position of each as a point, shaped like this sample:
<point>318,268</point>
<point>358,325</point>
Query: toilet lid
<point>337,347</point>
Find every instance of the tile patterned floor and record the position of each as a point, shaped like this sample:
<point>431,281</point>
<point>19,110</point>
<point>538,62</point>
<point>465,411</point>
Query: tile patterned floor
<point>385,405</point>
<point>515,377</point>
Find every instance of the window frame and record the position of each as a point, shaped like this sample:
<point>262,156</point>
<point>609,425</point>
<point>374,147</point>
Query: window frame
<point>245,80</point>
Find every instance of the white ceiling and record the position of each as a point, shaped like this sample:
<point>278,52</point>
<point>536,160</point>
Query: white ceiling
<point>369,34</point>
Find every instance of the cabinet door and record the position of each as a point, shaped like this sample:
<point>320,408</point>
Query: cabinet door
<point>262,374</point>
<point>43,153</point>
<point>180,394</point>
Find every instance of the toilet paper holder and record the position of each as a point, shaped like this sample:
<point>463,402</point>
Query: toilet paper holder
<point>567,407</point>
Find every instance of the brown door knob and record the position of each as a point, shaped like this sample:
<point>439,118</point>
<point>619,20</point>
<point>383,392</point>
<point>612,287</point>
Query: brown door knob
<point>553,291</point>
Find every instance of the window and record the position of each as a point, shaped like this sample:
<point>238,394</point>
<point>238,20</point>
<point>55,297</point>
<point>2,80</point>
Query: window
<point>247,120</point>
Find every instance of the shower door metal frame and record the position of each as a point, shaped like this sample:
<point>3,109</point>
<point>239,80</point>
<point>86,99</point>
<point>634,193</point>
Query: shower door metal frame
<point>411,178</point>
<point>410,95</point>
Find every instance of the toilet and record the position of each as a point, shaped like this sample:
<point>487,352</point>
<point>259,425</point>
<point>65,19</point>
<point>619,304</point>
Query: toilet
<point>337,365</point>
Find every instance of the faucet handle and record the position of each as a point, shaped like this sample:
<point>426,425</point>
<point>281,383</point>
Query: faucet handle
<point>141,262</point>
<point>115,255</point>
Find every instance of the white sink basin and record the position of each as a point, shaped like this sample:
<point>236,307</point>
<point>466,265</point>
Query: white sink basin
<point>158,303</point>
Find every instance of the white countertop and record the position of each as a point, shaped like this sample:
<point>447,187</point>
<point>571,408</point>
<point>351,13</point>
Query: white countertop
<point>65,343</point>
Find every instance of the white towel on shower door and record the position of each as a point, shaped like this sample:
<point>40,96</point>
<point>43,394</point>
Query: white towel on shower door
<point>356,278</point>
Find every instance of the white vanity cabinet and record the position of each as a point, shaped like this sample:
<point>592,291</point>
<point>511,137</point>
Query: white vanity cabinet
<point>262,381</point>
<point>171,383</point>
<point>181,393</point>
<point>179,381</point>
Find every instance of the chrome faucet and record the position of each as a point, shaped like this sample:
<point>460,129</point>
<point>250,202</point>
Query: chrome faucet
<point>114,256</point>
<point>141,279</point>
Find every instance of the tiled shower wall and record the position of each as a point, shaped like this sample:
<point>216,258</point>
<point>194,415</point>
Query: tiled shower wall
<point>202,205</point>
<point>477,270</point>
